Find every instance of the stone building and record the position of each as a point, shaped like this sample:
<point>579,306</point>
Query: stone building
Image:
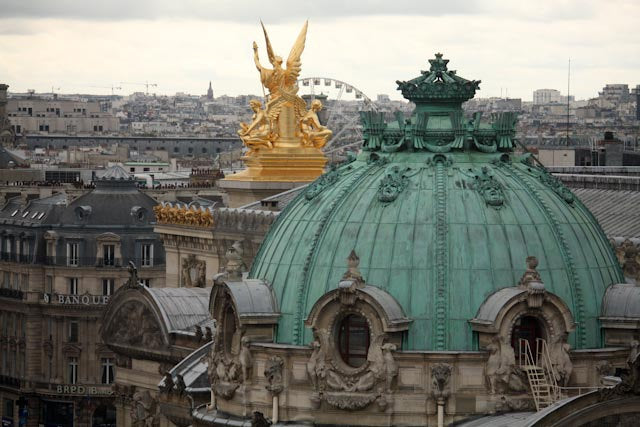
<point>33,115</point>
<point>438,276</point>
<point>60,263</point>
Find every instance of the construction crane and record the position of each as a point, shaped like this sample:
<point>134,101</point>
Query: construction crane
<point>112,87</point>
<point>146,84</point>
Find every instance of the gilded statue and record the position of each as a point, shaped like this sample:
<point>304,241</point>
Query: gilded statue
<point>258,133</point>
<point>312,132</point>
<point>281,82</point>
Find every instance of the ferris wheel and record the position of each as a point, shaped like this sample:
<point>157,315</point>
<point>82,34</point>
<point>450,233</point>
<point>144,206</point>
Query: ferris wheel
<point>341,103</point>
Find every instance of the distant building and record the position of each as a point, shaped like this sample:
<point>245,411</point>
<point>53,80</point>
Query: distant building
<point>617,93</point>
<point>549,96</point>
<point>546,96</point>
<point>7,133</point>
<point>210,92</point>
<point>383,98</point>
<point>59,266</point>
<point>38,115</point>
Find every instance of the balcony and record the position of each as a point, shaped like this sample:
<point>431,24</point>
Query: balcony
<point>63,261</point>
<point>8,256</point>
<point>9,381</point>
<point>11,293</point>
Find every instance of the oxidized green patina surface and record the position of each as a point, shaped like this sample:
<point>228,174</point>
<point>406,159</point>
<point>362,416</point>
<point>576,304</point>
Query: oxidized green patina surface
<point>441,214</point>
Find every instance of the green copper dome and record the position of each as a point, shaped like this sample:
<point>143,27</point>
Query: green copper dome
<point>441,213</point>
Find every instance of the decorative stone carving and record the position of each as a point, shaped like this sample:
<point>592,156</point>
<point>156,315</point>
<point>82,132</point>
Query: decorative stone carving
<point>440,374</point>
<point>393,183</point>
<point>532,282</point>
<point>133,281</point>
<point>349,388</point>
<point>145,411</point>
<point>628,254</point>
<point>273,373</point>
<point>489,188</point>
<point>226,371</point>
<point>558,187</point>
<point>323,182</point>
<point>235,264</point>
<point>633,351</point>
<point>560,359</point>
<point>630,384</point>
<point>180,385</point>
<point>258,420</point>
<point>501,374</point>
<point>193,272</point>
<point>168,383</point>
<point>134,325</point>
<point>351,280</point>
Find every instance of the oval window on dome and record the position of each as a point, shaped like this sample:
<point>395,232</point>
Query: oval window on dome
<point>353,340</point>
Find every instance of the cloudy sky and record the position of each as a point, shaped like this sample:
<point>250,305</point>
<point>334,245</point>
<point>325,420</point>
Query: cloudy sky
<point>512,46</point>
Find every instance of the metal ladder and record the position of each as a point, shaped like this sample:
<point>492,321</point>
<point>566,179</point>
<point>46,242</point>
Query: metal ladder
<point>540,373</point>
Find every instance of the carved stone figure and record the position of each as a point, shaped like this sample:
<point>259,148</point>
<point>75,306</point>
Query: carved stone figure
<point>132,281</point>
<point>193,272</point>
<point>501,373</point>
<point>316,365</point>
<point>560,359</point>
<point>145,411</point>
<point>440,374</point>
<point>390,365</point>
<point>228,371</point>
<point>235,265</point>
<point>273,373</point>
<point>312,132</point>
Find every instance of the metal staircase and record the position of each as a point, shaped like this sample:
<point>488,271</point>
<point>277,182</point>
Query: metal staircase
<point>540,373</point>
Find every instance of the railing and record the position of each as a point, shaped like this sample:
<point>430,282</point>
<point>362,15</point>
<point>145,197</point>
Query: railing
<point>11,293</point>
<point>544,361</point>
<point>8,256</point>
<point>10,381</point>
<point>101,262</point>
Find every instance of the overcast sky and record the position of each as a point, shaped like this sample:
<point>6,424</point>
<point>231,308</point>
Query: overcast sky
<point>512,46</point>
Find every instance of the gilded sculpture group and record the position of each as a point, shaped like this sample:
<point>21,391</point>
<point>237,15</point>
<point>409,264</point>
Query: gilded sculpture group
<point>183,215</point>
<point>285,115</point>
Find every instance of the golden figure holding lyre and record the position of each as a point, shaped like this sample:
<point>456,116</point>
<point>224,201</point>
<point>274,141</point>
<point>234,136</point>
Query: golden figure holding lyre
<point>284,139</point>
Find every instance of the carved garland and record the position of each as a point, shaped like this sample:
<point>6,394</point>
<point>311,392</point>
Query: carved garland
<point>343,386</point>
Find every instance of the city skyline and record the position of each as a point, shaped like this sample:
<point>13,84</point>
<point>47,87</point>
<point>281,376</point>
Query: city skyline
<point>513,49</point>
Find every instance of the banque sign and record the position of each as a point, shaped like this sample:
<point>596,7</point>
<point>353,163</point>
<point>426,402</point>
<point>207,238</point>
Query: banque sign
<point>81,299</point>
<point>91,390</point>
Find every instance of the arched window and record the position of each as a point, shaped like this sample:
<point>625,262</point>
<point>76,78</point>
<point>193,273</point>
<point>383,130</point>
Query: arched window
<point>229,329</point>
<point>527,328</point>
<point>353,340</point>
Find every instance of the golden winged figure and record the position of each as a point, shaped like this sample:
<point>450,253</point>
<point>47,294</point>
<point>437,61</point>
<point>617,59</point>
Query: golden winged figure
<point>281,82</point>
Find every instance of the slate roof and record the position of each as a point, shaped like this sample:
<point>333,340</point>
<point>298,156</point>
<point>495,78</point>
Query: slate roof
<point>281,200</point>
<point>621,300</point>
<point>182,308</point>
<point>38,211</point>
<point>617,211</point>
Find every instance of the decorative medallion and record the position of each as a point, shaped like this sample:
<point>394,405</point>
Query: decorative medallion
<point>489,188</point>
<point>393,183</point>
<point>320,184</point>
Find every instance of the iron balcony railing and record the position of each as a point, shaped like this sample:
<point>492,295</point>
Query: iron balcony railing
<point>11,293</point>
<point>101,262</point>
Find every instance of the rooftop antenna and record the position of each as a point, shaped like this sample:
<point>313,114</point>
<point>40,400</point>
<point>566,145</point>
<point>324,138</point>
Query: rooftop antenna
<point>568,97</point>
